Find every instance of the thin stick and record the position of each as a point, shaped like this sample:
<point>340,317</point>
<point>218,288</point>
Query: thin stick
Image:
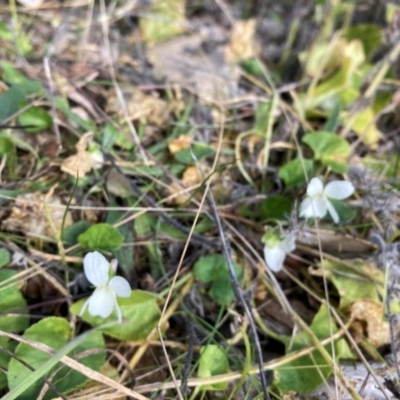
<point>235,284</point>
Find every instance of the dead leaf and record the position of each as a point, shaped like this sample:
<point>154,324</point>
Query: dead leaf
<point>81,163</point>
<point>365,127</point>
<point>192,176</point>
<point>118,184</point>
<point>183,142</point>
<point>242,44</point>
<point>28,215</point>
<point>198,63</point>
<point>145,107</point>
<point>372,314</point>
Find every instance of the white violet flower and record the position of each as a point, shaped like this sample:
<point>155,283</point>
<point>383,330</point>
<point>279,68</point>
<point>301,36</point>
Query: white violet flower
<point>317,203</point>
<point>104,299</point>
<point>276,248</point>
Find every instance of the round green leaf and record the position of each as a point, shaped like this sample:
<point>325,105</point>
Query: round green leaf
<point>101,237</point>
<point>329,148</point>
<point>72,232</point>
<point>140,315</point>
<point>213,361</point>
<point>293,173</point>
<point>54,332</point>
<point>214,269</point>
<point>5,359</point>
<point>11,299</point>
<point>37,117</point>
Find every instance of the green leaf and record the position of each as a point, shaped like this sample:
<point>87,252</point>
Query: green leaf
<point>369,35</point>
<point>350,59</point>
<point>24,41</point>
<point>5,33</point>
<point>365,127</point>
<point>204,225</point>
<point>63,106</point>
<point>17,142</point>
<point>345,212</point>
<point>4,257</point>
<point>214,269</point>
<point>275,207</point>
<point>196,152</point>
<point>293,174</point>
<point>221,291</point>
<point>54,332</point>
<point>72,232</point>
<point>101,237</point>
<point>37,117</point>
<point>167,21</point>
<point>306,373</point>
<point>140,314</point>
<point>252,66</point>
<point>5,358</point>
<point>110,136</point>
<point>207,268</point>
<point>11,300</point>
<point>22,83</point>
<point>333,121</point>
<point>9,102</point>
<point>329,148</point>
<point>353,287</point>
<point>213,361</point>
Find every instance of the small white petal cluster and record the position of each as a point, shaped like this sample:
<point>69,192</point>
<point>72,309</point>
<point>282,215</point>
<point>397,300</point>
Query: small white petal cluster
<point>104,299</point>
<point>317,203</point>
<point>275,251</point>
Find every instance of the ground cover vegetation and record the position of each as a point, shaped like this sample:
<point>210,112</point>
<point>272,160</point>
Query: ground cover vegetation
<point>199,199</point>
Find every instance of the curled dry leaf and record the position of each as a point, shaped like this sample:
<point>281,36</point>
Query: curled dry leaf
<point>145,107</point>
<point>371,314</point>
<point>181,143</point>
<point>190,177</point>
<point>82,162</point>
<point>242,44</point>
<point>28,215</point>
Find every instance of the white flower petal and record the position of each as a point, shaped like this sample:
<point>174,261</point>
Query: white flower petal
<point>315,187</point>
<point>120,286</point>
<point>304,207</point>
<point>288,243</point>
<point>339,190</point>
<point>319,207</point>
<point>333,213</point>
<point>313,207</point>
<point>102,302</point>
<point>96,268</point>
<point>274,257</point>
